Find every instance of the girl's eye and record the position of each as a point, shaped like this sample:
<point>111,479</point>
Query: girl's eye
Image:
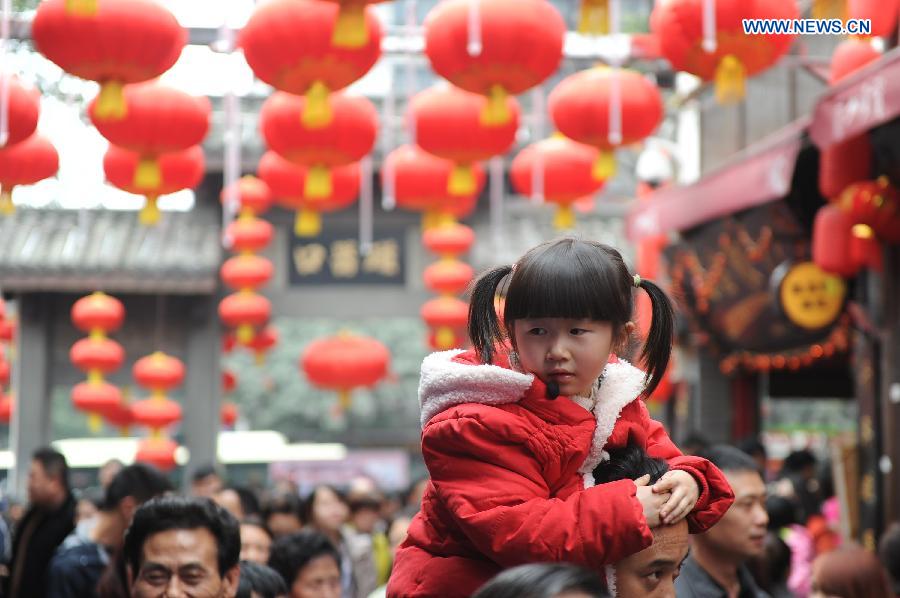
<point>577,331</point>
<point>536,331</point>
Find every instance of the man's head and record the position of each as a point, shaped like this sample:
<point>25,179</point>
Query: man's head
<point>282,515</point>
<point>309,564</point>
<point>741,532</point>
<point>206,482</point>
<point>652,571</point>
<point>108,471</point>
<point>186,545</point>
<point>48,478</point>
<point>132,487</point>
<point>260,581</point>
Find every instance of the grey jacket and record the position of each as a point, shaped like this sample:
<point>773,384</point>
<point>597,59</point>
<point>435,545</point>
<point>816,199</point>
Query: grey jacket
<point>695,582</point>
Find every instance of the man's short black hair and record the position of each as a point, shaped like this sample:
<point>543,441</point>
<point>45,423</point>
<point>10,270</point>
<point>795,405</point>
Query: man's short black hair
<point>629,463</point>
<point>260,580</point>
<point>729,458</point>
<point>291,553</point>
<point>249,500</point>
<point>204,472</point>
<point>166,513</point>
<point>797,461</point>
<point>283,503</point>
<point>139,481</point>
<point>54,464</point>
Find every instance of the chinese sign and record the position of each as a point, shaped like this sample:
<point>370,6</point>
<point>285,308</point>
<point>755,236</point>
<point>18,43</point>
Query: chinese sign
<point>334,257</point>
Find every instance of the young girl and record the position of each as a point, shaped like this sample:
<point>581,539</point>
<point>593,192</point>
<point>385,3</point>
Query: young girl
<point>512,432</point>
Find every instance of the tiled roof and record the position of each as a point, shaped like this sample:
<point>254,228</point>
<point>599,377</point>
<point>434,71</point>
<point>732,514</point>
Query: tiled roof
<point>99,249</point>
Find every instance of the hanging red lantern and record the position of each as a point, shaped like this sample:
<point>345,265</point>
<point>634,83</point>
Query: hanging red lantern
<point>876,204</point>
<point>345,362</point>
<point>23,108</point>
<point>157,414</point>
<point>229,381</point>
<point>568,174</point>
<point>246,271</point>
<point>448,338</point>
<point>831,241</point>
<point>447,124</point>
<point>444,315</point>
<point>348,137</point>
<point>849,56</point>
<point>245,311</point>
<point>421,183</point>
<point>288,181</point>
<point>98,312</point>
<point>262,343</point>
<point>254,196</point>
<point>881,14</point>
<point>734,56</point>
<point>865,251</point>
<point>95,398</point>
<point>448,277</point>
<point>97,355</point>
<point>288,44</point>
<point>7,405</point>
<point>178,171</point>
<point>228,414</point>
<point>120,416</point>
<point>580,108</point>
<point>159,452</point>
<point>159,373</point>
<point>112,43</point>
<point>4,371</point>
<point>25,163</point>
<point>250,235</point>
<point>449,241</point>
<point>520,45</point>
<point>7,330</point>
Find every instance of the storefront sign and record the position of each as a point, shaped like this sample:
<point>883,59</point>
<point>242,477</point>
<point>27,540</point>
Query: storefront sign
<point>336,258</point>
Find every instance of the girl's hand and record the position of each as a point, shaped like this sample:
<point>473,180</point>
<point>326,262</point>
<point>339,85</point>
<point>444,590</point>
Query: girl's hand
<point>651,500</point>
<point>684,494</point>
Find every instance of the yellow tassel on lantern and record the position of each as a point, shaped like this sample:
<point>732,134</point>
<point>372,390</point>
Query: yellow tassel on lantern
<point>147,175</point>
<point>259,357</point>
<point>731,77</point>
<point>461,181</point>
<point>429,220</point>
<point>594,17</point>
<point>6,204</point>
<point>496,112</point>
<point>149,214</point>
<point>316,110</point>
<point>350,29</point>
<point>95,423</point>
<point>111,101</point>
<point>344,399</point>
<point>307,223</point>
<point>444,338</point>
<point>318,182</point>
<point>245,333</point>
<point>564,218</point>
<point>84,8</point>
<point>829,9</point>
<point>604,166</point>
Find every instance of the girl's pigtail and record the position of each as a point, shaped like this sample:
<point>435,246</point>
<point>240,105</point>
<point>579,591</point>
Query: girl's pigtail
<point>484,326</point>
<point>658,348</point>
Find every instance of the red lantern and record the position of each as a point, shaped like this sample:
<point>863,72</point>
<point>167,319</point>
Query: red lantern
<point>7,330</point>
<point>347,138</point>
<point>245,311</point>
<point>449,241</point>
<point>250,234</point>
<point>126,41</point>
<point>98,312</point>
<point>25,163</point>
<point>449,338</point>
<point>736,55</point>
<point>882,14</point>
<point>246,271</point>
<point>568,174</point>
<point>421,183</point>
<point>876,204</point>
<point>288,180</point>
<point>849,56</point>
<point>831,241</point>
<point>24,107</point>
<point>253,195</point>
<point>580,108</point>
<point>865,251</point>
<point>521,44</point>
<point>345,362</point>
<point>445,314</point>
<point>159,452</point>
<point>229,414</point>
<point>101,355</point>
<point>120,416</point>
<point>288,45</point>
<point>229,381</point>
<point>448,277</point>
<point>156,414</point>
<point>7,405</point>
<point>262,343</point>
<point>448,124</point>
<point>95,398</point>
<point>4,371</point>
<point>178,171</point>
<point>158,372</point>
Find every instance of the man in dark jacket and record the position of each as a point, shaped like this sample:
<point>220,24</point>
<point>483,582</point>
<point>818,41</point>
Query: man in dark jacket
<point>49,519</point>
<point>716,566</point>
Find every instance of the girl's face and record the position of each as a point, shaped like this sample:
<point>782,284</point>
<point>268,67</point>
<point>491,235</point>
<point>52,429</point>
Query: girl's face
<point>571,353</point>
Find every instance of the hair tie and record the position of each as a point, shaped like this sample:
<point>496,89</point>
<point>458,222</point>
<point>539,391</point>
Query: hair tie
<point>637,280</point>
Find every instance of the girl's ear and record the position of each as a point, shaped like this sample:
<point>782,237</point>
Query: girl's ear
<point>621,342</point>
<point>629,328</point>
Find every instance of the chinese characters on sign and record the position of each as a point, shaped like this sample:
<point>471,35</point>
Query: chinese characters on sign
<point>337,259</point>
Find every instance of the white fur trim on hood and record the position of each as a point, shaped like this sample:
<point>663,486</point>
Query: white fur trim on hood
<point>445,383</point>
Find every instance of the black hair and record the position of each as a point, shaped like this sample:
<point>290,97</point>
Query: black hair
<point>166,513</point>
<point>729,458</point>
<point>782,512</point>
<point>797,461</point>
<point>284,503</point>
<point>260,580</point>
<point>248,499</point>
<point>308,504</point>
<point>629,463</point>
<point>291,553</point>
<point>256,521</point>
<point>54,464</point>
<point>889,553</point>
<point>543,580</point>
<point>570,278</point>
<point>771,568</point>
<point>140,481</point>
<point>204,471</point>
<point>752,446</point>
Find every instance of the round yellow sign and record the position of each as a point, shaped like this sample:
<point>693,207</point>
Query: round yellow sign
<point>811,298</point>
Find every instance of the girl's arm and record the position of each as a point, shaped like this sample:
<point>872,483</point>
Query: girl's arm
<point>715,492</point>
<point>492,484</point>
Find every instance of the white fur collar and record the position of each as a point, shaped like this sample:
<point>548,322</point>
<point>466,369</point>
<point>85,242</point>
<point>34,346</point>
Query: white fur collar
<point>445,383</point>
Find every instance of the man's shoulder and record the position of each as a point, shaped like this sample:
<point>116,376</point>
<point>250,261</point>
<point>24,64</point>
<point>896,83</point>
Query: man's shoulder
<point>76,553</point>
<point>695,582</point>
